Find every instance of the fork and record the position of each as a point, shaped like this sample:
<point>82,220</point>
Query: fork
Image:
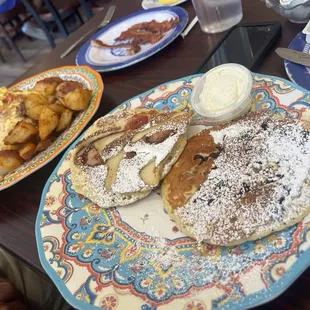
<point>104,22</point>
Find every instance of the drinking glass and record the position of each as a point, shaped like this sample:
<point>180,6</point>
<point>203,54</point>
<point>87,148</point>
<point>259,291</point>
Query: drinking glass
<point>218,15</point>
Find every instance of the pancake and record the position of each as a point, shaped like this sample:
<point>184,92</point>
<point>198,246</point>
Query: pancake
<point>241,181</point>
<point>123,156</point>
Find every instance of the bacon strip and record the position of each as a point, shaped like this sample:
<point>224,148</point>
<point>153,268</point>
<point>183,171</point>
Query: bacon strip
<point>132,48</point>
<point>142,33</point>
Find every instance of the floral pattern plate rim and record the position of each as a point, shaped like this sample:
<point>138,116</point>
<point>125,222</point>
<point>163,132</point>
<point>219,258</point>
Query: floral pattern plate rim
<point>90,79</point>
<point>107,258</point>
<point>150,4</point>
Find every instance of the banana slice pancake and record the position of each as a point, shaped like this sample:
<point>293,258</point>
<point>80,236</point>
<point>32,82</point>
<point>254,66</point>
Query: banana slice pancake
<point>241,181</point>
<point>123,156</point>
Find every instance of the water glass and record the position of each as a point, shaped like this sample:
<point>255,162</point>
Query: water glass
<point>218,15</point>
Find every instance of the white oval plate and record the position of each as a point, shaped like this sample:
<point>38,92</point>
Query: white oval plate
<point>104,60</point>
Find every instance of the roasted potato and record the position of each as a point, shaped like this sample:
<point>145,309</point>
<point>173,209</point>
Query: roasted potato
<point>52,99</point>
<point>33,99</point>
<point>12,147</point>
<point>78,99</point>
<point>22,133</point>
<point>65,120</point>
<point>48,86</point>
<point>46,110</point>
<point>44,144</point>
<point>57,108</point>
<point>27,151</point>
<point>35,112</point>
<point>48,122</point>
<point>67,87</point>
<point>34,103</point>
<point>9,160</point>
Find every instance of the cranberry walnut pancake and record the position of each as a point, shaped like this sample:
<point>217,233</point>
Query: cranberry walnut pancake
<point>123,156</point>
<point>241,181</point>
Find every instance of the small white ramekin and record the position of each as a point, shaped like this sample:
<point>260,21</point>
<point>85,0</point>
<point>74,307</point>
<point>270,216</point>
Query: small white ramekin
<point>240,107</point>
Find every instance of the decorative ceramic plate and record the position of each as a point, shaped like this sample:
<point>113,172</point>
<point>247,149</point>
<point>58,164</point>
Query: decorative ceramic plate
<point>109,258</point>
<point>150,4</point>
<point>106,59</point>
<point>299,74</point>
<point>91,80</point>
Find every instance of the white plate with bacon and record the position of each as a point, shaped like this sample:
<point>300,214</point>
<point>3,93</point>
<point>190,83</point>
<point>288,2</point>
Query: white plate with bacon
<point>132,39</point>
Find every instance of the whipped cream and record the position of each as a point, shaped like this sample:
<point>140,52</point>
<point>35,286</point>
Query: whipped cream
<point>223,93</point>
<point>222,90</point>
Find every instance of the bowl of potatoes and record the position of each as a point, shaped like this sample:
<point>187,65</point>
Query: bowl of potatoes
<point>41,116</point>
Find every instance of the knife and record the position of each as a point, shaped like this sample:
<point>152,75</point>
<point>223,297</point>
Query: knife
<point>104,22</point>
<point>189,27</point>
<point>294,56</point>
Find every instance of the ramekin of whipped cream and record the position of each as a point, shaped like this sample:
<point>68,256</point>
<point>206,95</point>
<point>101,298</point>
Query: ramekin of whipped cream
<point>223,93</point>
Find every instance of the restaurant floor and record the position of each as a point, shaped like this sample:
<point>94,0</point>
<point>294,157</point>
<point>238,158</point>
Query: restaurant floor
<point>14,66</point>
<point>33,50</point>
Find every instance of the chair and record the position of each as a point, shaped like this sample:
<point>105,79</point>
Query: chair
<point>2,57</point>
<point>87,8</point>
<point>39,21</point>
<point>58,12</point>
<point>10,28</point>
<point>54,12</point>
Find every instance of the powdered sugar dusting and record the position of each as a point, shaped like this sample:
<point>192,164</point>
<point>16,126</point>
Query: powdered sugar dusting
<point>137,139</point>
<point>92,179</point>
<point>128,176</point>
<point>259,181</point>
<point>200,269</point>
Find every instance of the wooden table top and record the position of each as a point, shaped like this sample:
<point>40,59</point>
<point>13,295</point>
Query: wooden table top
<point>19,203</point>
